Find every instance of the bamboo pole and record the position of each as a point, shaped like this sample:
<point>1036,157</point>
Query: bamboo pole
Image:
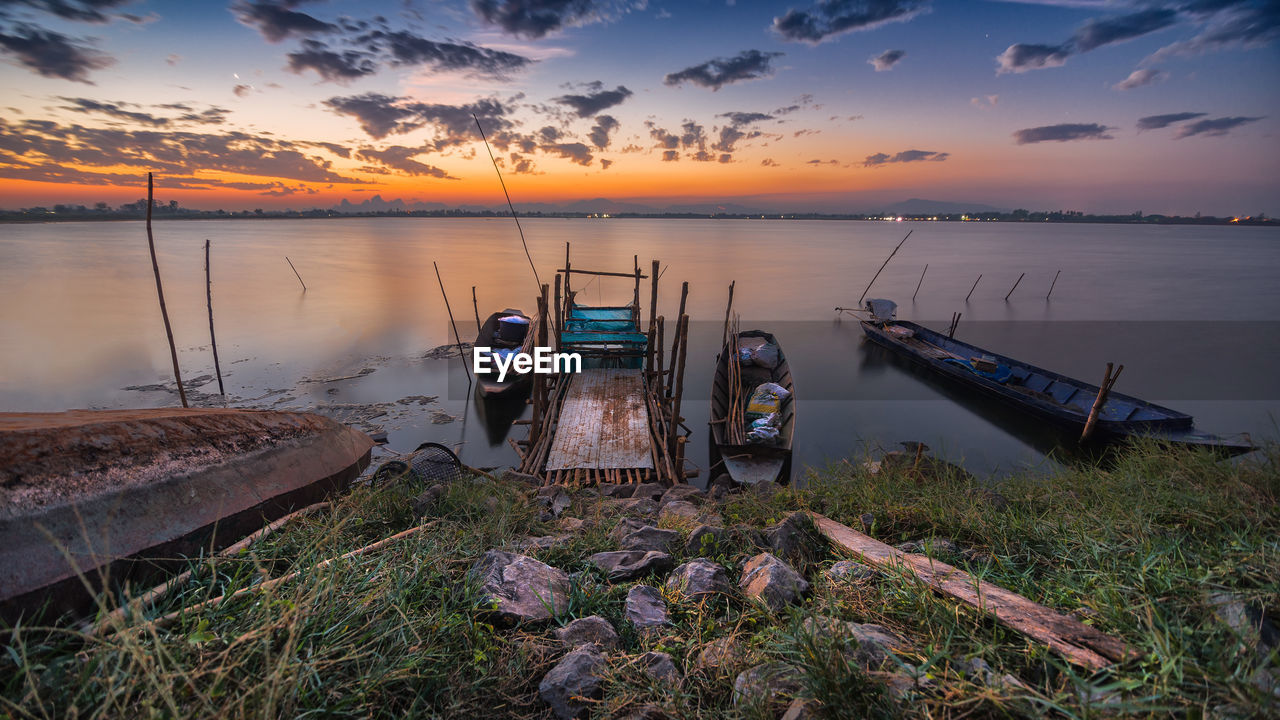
<point>635,302</point>
<point>724,336</point>
<point>295,272</point>
<point>657,361</point>
<point>653,294</point>
<point>882,267</point>
<point>475,307</point>
<point>975,285</point>
<point>556,319</point>
<point>1108,380</point>
<point>683,339</point>
<point>675,341</point>
<point>922,272</point>
<point>1055,282</point>
<point>1015,286</point>
<point>213,341</point>
<point>164,312</point>
<point>568,297</point>
<point>955,322</point>
<point>456,337</point>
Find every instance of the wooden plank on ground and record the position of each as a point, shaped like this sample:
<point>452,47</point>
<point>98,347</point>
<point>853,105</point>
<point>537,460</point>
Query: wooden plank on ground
<point>1078,643</point>
<point>603,422</point>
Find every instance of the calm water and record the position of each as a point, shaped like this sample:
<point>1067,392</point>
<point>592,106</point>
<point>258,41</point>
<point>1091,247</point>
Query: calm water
<point>1190,311</point>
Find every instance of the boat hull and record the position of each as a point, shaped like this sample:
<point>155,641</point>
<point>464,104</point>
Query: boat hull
<point>751,464</point>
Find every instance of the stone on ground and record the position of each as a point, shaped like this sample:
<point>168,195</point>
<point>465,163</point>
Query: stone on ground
<point>849,571</point>
<point>519,588</point>
<point>768,683</point>
<point>706,539</point>
<point>594,629</point>
<point>646,608</point>
<point>627,564</point>
<point>793,537</point>
<point>772,581</point>
<point>573,683</point>
<point>651,538</point>
<point>868,644</point>
<point>698,578</point>
<point>659,666</point>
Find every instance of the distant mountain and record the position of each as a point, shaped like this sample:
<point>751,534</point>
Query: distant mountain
<point>377,204</point>
<point>918,206</point>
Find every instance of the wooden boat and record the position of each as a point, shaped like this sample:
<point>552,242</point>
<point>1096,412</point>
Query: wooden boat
<point>1057,399</point>
<point>514,384</point>
<point>750,463</point>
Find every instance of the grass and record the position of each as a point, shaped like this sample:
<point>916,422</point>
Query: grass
<point>1133,548</point>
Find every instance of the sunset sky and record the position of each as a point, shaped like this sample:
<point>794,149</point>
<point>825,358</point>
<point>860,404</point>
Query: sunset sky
<point>1169,106</point>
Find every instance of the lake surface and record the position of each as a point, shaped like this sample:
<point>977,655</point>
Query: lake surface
<point>1190,311</point>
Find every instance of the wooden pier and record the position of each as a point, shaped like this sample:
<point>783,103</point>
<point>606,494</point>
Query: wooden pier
<point>618,420</point>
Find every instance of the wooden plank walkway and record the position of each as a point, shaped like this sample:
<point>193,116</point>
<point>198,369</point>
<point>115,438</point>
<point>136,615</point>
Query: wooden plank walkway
<point>604,422</point>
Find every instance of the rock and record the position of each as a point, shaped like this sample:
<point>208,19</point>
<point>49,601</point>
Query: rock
<point>849,571</point>
<point>554,499</point>
<point>424,504</point>
<point>519,588</point>
<point>625,527</point>
<point>651,538</point>
<point>513,475</point>
<point>684,492</point>
<point>573,682</point>
<point>801,709</point>
<point>719,654</point>
<point>678,512</point>
<point>594,629</point>
<point>772,581</point>
<point>659,666</point>
<point>627,564</point>
<point>1247,620</point>
<point>652,491</point>
<point>615,490</point>
<point>706,540</point>
<point>546,542</point>
<point>698,579</point>
<point>765,684</point>
<point>981,672</point>
<point>572,524</point>
<point>793,538</point>
<point>645,607</point>
<point>870,644</point>
<point>868,521</point>
<point>931,546</point>
<point>633,506</point>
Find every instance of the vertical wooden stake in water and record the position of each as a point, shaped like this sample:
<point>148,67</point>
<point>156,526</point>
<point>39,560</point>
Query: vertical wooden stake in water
<point>657,360</point>
<point>164,312</point>
<point>955,322</point>
<point>535,426</point>
<point>636,297</point>
<point>568,298</point>
<point>208,293</point>
<point>882,267</point>
<point>724,336</point>
<point>1108,380</point>
<point>555,319</point>
<point>456,337</point>
<point>975,285</point>
<point>653,294</point>
<point>675,341</point>
<point>475,307</point>
<point>295,272</point>
<point>922,272</point>
<point>1015,286</point>
<point>683,339</point>
<point>1055,282</point>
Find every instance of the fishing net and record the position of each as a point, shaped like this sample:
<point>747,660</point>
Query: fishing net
<point>430,464</point>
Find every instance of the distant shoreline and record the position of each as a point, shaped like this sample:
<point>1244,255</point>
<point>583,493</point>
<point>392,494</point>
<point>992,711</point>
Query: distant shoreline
<point>23,217</point>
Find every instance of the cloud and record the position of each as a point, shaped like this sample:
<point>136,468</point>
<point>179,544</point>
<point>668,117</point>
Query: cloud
<point>1062,133</point>
<point>599,135</point>
<point>82,10</point>
<point>670,156</point>
<point>816,161</point>
<point>887,59</point>
<point>718,72</point>
<point>52,54</point>
<point>1155,122</point>
<point>1138,78</point>
<point>594,103</point>
<point>1227,25</point>
<point>828,18</point>
<point>988,101</point>
<point>53,152</point>
<point>339,67</point>
<point>400,158</point>
<point>576,152</point>
<point>905,156</point>
<point>664,139</point>
<point>1215,127</point>
<point>242,90</point>
<point>1096,33</point>
<point>381,115</point>
<point>406,48</point>
<point>741,119</point>
<point>113,109</point>
<point>1021,57</point>
<point>769,162</point>
<point>535,18</point>
<point>277,20</point>
<point>605,163</point>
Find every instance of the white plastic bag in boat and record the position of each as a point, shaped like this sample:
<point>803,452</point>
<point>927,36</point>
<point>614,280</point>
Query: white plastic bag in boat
<point>766,400</point>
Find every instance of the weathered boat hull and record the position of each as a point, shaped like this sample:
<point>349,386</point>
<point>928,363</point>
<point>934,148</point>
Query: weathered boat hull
<point>751,464</point>
<point>93,498</point>
<point>1057,399</point>
<point>514,384</point>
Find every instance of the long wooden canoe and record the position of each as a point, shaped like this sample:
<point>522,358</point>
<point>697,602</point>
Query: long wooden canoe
<point>514,384</point>
<point>750,463</point>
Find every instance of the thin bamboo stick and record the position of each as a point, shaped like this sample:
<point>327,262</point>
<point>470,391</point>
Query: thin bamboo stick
<point>975,285</point>
<point>213,341</point>
<point>675,341</point>
<point>456,337</point>
<point>882,267</point>
<point>295,272</point>
<point>1055,282</point>
<point>475,307</point>
<point>922,272</point>
<point>164,312</point>
<point>1015,286</point>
